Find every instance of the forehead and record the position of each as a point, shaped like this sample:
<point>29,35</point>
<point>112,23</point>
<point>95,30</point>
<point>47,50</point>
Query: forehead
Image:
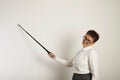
<point>89,37</point>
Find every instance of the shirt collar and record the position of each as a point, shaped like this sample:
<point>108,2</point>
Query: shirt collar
<point>87,48</point>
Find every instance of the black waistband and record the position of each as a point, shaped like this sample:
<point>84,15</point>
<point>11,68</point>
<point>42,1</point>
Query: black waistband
<point>82,74</point>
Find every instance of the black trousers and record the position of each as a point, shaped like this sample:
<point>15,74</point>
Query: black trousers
<point>82,76</point>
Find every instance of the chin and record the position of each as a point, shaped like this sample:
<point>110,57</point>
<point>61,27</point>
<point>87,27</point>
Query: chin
<point>84,45</point>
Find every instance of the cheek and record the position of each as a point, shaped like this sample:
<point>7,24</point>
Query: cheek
<point>83,42</point>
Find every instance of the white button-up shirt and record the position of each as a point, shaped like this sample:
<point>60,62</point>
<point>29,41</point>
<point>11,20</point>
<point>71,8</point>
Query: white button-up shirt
<point>85,61</point>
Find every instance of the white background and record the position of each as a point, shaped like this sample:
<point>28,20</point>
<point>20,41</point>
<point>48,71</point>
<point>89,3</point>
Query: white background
<point>59,25</point>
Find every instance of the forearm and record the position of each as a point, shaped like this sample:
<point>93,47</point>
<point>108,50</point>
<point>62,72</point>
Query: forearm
<point>63,61</point>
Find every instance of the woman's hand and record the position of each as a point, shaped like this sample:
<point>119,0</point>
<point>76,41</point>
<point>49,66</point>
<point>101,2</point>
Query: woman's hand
<point>52,55</point>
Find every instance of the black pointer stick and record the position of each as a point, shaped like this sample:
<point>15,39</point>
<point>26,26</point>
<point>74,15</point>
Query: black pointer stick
<point>34,39</point>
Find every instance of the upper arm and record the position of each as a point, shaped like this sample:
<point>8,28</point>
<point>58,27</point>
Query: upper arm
<point>93,61</point>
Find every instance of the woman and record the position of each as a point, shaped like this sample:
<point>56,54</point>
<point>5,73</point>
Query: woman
<point>85,60</point>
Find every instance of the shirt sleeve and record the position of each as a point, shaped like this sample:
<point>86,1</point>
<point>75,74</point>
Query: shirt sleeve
<point>64,62</point>
<point>93,63</point>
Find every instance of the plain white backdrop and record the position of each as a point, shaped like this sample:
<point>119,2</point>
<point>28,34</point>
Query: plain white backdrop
<point>59,25</point>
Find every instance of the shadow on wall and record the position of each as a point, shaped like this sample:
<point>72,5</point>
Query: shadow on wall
<point>66,47</point>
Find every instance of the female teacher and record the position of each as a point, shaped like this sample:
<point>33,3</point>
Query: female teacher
<point>85,60</point>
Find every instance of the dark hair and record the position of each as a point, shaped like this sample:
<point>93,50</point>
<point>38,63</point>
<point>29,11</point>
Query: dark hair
<point>93,34</point>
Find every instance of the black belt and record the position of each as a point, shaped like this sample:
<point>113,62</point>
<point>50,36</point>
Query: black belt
<point>77,74</point>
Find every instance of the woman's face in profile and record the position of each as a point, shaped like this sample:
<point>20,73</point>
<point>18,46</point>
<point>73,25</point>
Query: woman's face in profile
<point>87,40</point>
